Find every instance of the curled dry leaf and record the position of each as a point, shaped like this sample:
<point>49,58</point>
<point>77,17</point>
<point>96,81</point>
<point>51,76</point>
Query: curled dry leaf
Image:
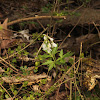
<point>3,31</point>
<point>35,87</point>
<point>92,75</point>
<point>5,36</point>
<point>25,33</point>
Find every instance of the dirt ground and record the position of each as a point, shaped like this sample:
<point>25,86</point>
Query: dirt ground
<point>74,25</point>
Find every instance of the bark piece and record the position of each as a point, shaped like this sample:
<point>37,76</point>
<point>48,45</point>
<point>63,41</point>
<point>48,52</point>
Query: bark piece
<point>30,78</point>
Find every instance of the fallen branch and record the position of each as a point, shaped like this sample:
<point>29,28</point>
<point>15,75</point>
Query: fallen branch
<point>30,78</point>
<point>36,18</point>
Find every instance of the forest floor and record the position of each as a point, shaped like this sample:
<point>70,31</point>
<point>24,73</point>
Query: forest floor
<point>71,71</point>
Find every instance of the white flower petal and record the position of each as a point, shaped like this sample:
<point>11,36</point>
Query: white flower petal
<point>49,50</point>
<point>45,37</point>
<point>54,44</point>
<point>44,46</point>
<point>49,45</point>
<point>51,39</point>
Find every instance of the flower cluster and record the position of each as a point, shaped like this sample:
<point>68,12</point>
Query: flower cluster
<point>48,44</point>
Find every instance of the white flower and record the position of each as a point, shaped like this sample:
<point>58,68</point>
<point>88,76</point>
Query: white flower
<point>45,37</point>
<point>51,39</point>
<point>53,44</point>
<point>44,46</point>
<point>48,44</point>
<point>49,50</point>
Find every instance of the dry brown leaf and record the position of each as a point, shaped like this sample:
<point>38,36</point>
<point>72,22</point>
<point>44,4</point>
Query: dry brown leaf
<point>5,36</point>
<point>4,33</point>
<point>35,87</point>
<point>6,43</point>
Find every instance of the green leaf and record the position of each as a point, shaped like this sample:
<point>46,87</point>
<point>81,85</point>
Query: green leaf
<point>14,60</point>
<point>48,62</point>
<point>68,54</point>
<point>28,98</point>
<point>31,97</point>
<point>8,69</point>
<point>48,25</point>
<point>51,66</point>
<point>19,47</point>
<point>43,81</point>
<point>82,55</point>
<point>6,96</point>
<point>45,10</point>
<point>44,56</point>
<point>77,14</point>
<point>12,51</point>
<point>61,53</point>
<point>71,60</point>
<point>58,62</point>
<point>24,97</point>
<point>9,50</point>
<point>39,94</point>
<point>39,39</point>
<point>25,53</point>
<point>32,22</point>
<point>25,67</point>
<point>1,90</point>
<point>25,83</point>
<point>58,59</point>
<point>35,70</point>
<point>37,63</point>
<point>54,51</point>
<point>15,92</point>
<point>21,67</point>
<point>59,21</point>
<point>62,61</point>
<point>41,98</point>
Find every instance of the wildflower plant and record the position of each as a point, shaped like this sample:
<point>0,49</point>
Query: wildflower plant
<point>51,50</point>
<point>48,44</point>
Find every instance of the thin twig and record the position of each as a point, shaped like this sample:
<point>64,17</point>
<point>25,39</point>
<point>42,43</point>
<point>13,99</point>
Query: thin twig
<point>17,92</point>
<point>7,66</point>
<point>6,92</point>
<point>79,58</point>
<point>79,92</point>
<point>8,63</point>
<point>35,18</point>
<point>41,24</point>
<point>75,77</point>
<point>97,29</point>
<point>70,89</point>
